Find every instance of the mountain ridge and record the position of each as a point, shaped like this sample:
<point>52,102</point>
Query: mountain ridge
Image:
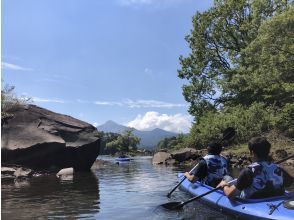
<point>149,139</point>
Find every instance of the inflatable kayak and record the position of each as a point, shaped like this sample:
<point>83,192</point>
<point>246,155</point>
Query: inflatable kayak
<point>122,159</point>
<point>280,208</point>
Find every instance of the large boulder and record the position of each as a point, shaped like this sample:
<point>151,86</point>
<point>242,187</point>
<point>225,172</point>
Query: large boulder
<point>161,158</point>
<point>185,154</point>
<point>41,139</point>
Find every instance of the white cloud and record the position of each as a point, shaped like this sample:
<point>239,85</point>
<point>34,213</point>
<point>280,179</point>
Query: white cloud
<point>108,103</point>
<point>140,104</point>
<point>95,124</point>
<point>151,120</point>
<point>10,66</point>
<point>36,99</point>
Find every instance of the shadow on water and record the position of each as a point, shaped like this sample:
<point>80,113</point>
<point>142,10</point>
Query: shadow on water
<point>47,197</point>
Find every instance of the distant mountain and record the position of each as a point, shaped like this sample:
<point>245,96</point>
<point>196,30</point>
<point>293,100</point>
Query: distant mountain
<point>149,139</point>
<point>111,126</point>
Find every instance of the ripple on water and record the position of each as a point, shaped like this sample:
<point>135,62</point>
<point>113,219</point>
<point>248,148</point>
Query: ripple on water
<point>134,190</point>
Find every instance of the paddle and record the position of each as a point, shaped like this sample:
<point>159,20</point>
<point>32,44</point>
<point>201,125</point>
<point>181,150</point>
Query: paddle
<point>228,134</point>
<point>178,205</point>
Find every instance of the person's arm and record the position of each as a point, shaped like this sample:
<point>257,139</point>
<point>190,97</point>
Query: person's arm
<point>190,177</point>
<point>199,173</point>
<point>229,191</point>
<point>244,180</point>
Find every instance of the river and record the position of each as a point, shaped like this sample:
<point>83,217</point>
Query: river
<point>129,190</point>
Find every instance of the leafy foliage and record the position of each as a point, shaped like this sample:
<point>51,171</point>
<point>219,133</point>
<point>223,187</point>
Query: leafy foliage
<point>240,70</point>
<point>248,122</point>
<point>171,143</point>
<point>126,142</point>
<point>219,45</point>
<point>266,64</point>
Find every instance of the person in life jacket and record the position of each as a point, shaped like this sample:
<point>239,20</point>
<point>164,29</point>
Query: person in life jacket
<point>212,168</point>
<point>262,178</point>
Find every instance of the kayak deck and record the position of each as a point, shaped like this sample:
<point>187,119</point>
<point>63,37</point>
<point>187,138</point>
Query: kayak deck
<point>269,208</point>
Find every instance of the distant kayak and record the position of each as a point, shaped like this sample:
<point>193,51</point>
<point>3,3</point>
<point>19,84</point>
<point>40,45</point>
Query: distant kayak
<point>122,159</point>
<point>279,208</point>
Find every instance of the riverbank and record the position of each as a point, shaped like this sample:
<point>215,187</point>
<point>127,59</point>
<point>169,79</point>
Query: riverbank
<point>281,148</point>
<point>237,155</point>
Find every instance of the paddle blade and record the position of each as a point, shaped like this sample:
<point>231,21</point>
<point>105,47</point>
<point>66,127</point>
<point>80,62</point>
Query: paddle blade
<point>172,205</point>
<point>229,133</point>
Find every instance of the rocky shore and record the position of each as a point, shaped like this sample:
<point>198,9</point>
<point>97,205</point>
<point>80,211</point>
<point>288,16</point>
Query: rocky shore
<point>189,157</point>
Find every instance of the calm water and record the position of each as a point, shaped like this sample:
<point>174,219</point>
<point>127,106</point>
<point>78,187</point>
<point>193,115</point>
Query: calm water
<point>130,190</point>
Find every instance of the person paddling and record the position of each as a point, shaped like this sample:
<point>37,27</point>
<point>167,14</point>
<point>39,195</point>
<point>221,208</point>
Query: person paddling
<point>212,168</point>
<point>262,178</point>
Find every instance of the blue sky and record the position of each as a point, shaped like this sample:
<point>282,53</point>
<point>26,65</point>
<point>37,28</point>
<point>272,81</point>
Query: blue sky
<point>99,60</point>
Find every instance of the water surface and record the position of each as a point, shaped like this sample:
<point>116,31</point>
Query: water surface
<point>128,190</point>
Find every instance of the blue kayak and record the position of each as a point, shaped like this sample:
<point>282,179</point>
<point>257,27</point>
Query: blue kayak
<point>269,208</point>
<point>122,159</point>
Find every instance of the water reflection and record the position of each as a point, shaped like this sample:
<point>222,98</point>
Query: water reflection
<point>47,197</point>
<point>132,190</point>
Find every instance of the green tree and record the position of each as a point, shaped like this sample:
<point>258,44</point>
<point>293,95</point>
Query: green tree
<point>125,142</point>
<point>217,41</point>
<point>266,64</point>
<point>171,143</point>
<point>240,69</point>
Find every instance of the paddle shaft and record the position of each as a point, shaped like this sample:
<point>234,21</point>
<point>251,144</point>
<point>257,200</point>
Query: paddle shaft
<point>204,194</point>
<point>232,132</point>
<point>230,183</point>
<point>287,158</point>
<point>168,195</point>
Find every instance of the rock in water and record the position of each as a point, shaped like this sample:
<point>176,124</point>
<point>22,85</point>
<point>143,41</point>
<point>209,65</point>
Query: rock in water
<point>20,172</point>
<point>44,140</point>
<point>66,174</point>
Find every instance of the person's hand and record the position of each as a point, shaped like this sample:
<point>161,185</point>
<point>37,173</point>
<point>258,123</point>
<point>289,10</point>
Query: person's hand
<point>222,184</point>
<point>187,174</point>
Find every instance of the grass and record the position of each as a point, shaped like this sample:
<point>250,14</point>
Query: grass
<point>277,141</point>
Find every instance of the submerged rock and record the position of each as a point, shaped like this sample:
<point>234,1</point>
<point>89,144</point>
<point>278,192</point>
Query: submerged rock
<point>65,172</point>
<point>41,139</point>
<point>20,172</point>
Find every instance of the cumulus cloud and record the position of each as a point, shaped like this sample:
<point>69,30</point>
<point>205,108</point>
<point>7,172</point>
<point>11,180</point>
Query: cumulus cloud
<point>10,66</point>
<point>151,120</point>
